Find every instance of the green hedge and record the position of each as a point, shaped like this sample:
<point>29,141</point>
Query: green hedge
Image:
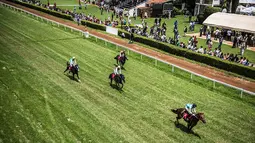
<point>93,25</point>
<point>51,12</point>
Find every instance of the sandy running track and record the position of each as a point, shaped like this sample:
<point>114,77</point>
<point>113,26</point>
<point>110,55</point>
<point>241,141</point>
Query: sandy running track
<point>206,71</point>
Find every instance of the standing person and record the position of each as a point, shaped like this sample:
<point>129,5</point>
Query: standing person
<point>112,17</point>
<point>242,48</point>
<point>234,42</point>
<point>216,34</point>
<point>253,40</point>
<point>131,36</point>
<point>229,32</point>
<point>190,16</point>
<point>176,24</point>
<point>101,9</point>
<point>200,31</point>
<point>220,42</point>
<point>245,41</point>
<point>210,43</point>
<point>185,30</point>
<point>85,5</point>
<point>134,15</point>
<point>78,20</point>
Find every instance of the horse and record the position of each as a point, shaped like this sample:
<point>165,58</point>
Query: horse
<point>192,120</point>
<point>119,79</point>
<point>121,60</point>
<point>73,69</point>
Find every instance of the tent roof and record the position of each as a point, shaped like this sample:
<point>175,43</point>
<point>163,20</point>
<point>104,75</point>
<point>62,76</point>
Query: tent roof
<point>237,22</point>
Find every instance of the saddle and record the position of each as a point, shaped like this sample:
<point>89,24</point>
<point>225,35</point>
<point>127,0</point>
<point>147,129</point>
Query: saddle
<point>186,116</point>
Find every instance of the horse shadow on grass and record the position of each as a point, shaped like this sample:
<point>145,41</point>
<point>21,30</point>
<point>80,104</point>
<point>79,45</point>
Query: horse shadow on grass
<point>116,87</point>
<point>185,129</point>
<point>71,77</point>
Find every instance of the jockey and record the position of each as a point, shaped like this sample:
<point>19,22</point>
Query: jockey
<point>191,108</point>
<point>117,70</point>
<point>72,61</point>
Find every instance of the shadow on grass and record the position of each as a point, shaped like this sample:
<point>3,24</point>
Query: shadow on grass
<point>114,86</point>
<point>71,77</point>
<point>185,129</point>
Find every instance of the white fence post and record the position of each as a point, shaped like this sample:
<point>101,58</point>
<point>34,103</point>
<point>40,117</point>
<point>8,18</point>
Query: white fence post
<point>172,68</point>
<point>156,62</point>
<point>105,43</point>
<point>214,84</point>
<point>128,52</point>
<point>96,39</point>
<point>141,57</point>
<point>242,93</point>
<point>191,76</point>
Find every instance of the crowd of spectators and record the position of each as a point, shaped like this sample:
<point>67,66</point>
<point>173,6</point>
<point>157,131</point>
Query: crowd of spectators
<point>158,32</point>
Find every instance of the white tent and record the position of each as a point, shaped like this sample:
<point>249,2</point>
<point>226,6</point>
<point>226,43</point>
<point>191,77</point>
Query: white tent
<point>248,10</point>
<point>237,22</point>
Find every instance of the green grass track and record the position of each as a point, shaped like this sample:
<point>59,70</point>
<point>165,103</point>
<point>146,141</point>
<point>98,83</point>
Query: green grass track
<point>38,103</point>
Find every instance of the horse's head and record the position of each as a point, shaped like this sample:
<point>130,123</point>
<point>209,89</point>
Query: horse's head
<point>201,117</point>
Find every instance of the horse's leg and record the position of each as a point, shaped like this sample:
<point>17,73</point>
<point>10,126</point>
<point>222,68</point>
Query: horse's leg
<point>177,120</point>
<point>78,76</point>
<point>66,69</point>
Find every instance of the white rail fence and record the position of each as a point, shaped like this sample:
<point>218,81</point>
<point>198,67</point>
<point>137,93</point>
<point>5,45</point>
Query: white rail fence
<point>142,54</point>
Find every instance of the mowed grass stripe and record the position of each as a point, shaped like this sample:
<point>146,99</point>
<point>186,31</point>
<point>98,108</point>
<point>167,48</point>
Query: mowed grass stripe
<point>91,110</point>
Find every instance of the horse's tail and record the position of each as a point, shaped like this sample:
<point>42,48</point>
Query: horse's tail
<point>174,110</point>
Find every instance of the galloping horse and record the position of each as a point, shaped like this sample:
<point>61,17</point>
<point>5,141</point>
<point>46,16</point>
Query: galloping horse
<point>121,60</point>
<point>73,69</point>
<point>192,120</point>
<point>119,79</point>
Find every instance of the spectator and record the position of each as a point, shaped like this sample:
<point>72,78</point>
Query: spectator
<point>220,42</point>
<point>216,33</point>
<point>185,31</point>
<point>210,44</point>
<point>229,32</point>
<point>200,31</point>
<point>85,5</point>
<point>234,42</point>
<point>190,16</point>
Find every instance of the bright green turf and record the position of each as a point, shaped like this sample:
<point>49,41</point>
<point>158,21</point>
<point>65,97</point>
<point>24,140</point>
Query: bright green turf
<point>41,104</point>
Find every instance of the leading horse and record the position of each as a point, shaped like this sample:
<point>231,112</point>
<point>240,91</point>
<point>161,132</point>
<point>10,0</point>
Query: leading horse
<point>192,120</point>
<point>121,60</point>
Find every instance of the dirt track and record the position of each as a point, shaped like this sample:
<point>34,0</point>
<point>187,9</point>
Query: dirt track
<point>206,71</point>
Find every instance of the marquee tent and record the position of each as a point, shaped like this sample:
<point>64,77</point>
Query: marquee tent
<point>242,23</point>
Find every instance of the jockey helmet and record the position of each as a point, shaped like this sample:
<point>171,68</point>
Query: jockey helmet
<point>194,105</point>
<point>118,67</point>
<point>73,57</point>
